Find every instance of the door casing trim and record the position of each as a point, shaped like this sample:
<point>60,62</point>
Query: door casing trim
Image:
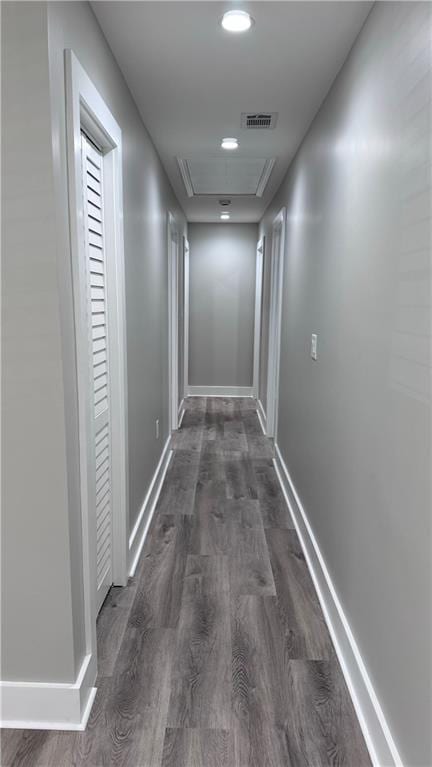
<point>85,109</point>
<point>257,319</point>
<point>173,324</point>
<point>275,323</point>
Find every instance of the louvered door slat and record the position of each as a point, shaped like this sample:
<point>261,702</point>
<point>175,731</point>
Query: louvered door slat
<point>100,381</point>
<point>94,198</point>
<point>100,369</point>
<point>96,253</point>
<point>97,280</point>
<point>95,211</point>
<point>98,318</point>
<point>104,517</point>
<point>95,240</point>
<point>92,162</point>
<point>93,224</point>
<point>96,267</point>
<point>99,358</point>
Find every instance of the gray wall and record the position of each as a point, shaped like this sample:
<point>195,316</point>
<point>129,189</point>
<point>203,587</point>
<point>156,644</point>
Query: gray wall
<point>37,634</point>
<point>42,571</point>
<point>222,302</point>
<point>354,427</point>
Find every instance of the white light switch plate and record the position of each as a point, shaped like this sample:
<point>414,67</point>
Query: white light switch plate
<point>313,351</point>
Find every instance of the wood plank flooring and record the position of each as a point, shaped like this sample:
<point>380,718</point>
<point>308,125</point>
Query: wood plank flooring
<point>216,654</point>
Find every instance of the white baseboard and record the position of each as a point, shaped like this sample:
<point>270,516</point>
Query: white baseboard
<point>56,706</point>
<point>181,412</point>
<point>140,530</point>
<point>220,391</point>
<point>262,418</point>
<point>49,706</point>
<point>375,729</point>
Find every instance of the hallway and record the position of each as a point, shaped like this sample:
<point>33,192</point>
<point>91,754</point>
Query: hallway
<point>216,654</point>
<point>216,384</point>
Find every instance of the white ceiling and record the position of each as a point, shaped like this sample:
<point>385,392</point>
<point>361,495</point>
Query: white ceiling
<point>192,80</point>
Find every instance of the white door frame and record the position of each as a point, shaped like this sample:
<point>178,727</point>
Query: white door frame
<point>276,286</point>
<point>257,323</point>
<point>186,316</point>
<point>173,366</point>
<point>85,109</point>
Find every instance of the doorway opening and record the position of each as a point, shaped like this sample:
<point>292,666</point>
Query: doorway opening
<point>173,324</point>
<point>276,285</point>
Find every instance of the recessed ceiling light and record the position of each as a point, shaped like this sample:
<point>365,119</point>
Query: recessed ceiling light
<point>225,216</point>
<point>229,143</point>
<point>236,21</point>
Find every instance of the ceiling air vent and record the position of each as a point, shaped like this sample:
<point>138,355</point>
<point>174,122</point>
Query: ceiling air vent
<point>258,120</point>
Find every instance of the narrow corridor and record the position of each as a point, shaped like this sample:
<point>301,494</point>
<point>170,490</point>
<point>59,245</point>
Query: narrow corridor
<point>216,384</point>
<point>217,653</point>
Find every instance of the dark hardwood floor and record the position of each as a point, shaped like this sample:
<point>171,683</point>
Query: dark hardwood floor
<point>216,654</point>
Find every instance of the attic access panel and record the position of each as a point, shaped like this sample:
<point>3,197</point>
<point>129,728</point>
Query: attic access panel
<point>226,176</point>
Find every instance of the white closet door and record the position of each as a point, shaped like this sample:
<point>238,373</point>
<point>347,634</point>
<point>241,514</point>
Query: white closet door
<point>97,310</point>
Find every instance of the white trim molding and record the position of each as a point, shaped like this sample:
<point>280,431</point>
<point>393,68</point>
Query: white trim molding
<point>257,318</point>
<point>186,316</point>
<point>86,109</point>
<point>220,391</point>
<point>262,418</point>
<point>173,357</point>
<point>275,320</point>
<point>184,172</point>
<point>141,527</point>
<point>181,412</point>
<point>49,706</point>
<point>379,740</point>
<point>265,175</point>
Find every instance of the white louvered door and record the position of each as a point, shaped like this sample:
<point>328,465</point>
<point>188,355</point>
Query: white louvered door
<point>97,318</point>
